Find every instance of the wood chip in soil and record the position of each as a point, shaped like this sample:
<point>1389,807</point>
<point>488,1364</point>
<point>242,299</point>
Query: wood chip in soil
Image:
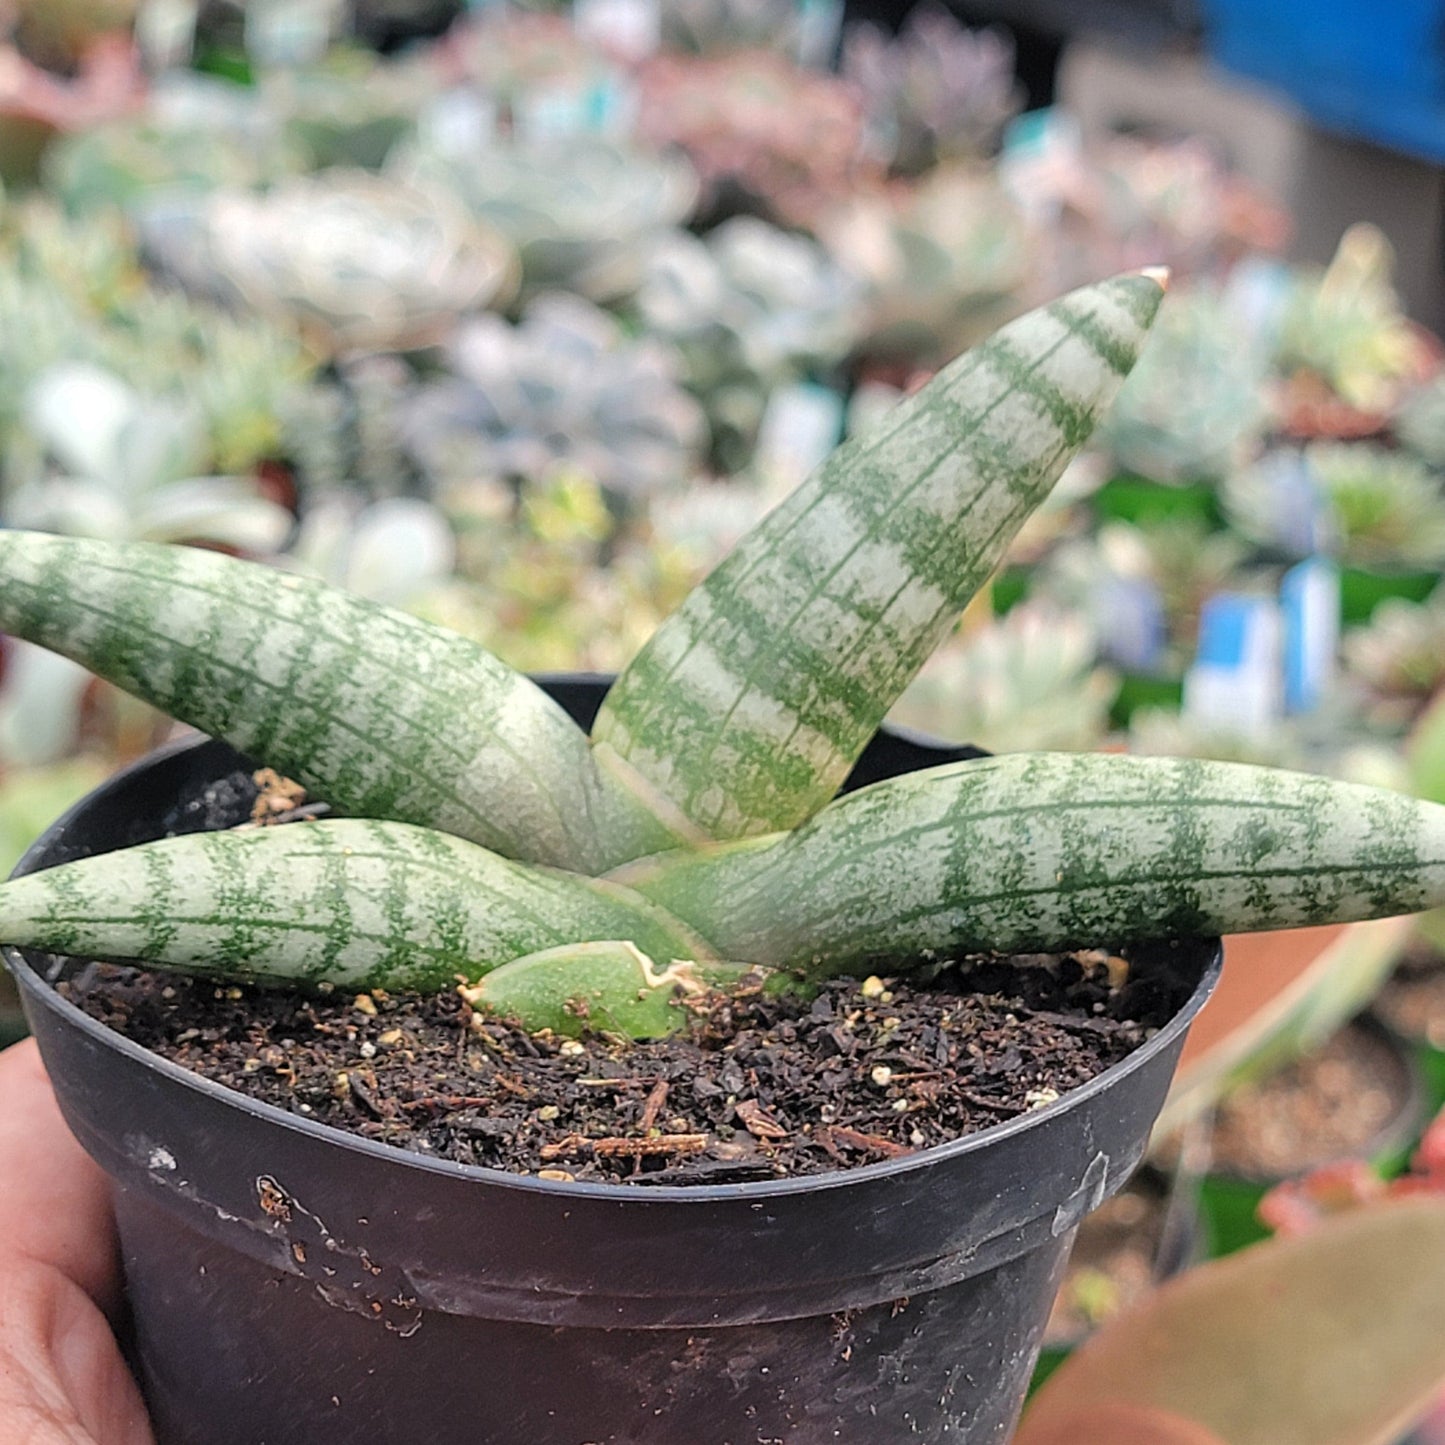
<point>757,1088</point>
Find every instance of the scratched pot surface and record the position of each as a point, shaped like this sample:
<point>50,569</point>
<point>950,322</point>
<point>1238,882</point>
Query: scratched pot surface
<point>283,1366</point>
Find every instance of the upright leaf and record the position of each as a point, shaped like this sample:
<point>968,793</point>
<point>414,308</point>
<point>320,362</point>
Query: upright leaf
<point>1053,851</point>
<point>753,700</point>
<point>350,902</point>
<point>380,713</point>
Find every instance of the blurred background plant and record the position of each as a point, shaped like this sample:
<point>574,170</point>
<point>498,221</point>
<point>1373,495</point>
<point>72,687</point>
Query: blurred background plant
<point>1364,504</point>
<point>936,92</point>
<point>357,261</point>
<point>765,136</point>
<point>581,211</point>
<point>564,390</point>
<point>750,308</point>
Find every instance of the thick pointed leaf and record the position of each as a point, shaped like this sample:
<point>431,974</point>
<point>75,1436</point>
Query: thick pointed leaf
<point>752,701</point>
<point>612,986</point>
<point>350,902</point>
<point>380,713</point>
<point>1057,850</point>
<point>1333,1338</point>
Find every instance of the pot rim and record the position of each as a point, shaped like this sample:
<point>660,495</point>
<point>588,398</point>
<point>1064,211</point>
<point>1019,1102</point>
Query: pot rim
<point>36,989</point>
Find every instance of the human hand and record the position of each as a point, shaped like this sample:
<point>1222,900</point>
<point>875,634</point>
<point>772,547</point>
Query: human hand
<point>62,1378</point>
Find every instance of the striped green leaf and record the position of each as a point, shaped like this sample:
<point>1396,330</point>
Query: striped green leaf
<point>753,700</point>
<point>1052,851</point>
<point>608,985</point>
<point>382,714</point>
<point>350,902</point>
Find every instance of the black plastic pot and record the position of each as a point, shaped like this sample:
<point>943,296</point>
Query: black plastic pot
<point>289,1283</point>
<point>1178,1246</point>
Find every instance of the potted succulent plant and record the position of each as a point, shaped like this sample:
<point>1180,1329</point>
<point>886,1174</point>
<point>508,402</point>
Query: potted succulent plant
<point>289,1281</point>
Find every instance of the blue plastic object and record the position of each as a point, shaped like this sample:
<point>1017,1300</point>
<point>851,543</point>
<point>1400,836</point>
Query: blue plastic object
<point>1369,68</point>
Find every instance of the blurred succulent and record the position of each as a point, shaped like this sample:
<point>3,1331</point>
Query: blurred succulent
<point>563,391</point>
<point>39,326</point>
<point>937,91</point>
<point>1420,423</point>
<point>1358,501</point>
<point>1396,663</point>
<point>1028,680</point>
<point>351,109</point>
<point>753,297</point>
<point>764,135</point>
<point>90,261</point>
<point>40,706</point>
<point>712,27</point>
<point>116,464</point>
<point>1191,409</point>
<point>535,589</point>
<point>289,33</point>
<point>391,551</point>
<point>581,212</point>
<point>1163,732</point>
<point>73,291</point>
<point>703,523</point>
<point>1142,587</point>
<point>1344,330</point>
<point>749,307</point>
<point>1178,203</point>
<point>358,261</point>
<point>96,459</point>
<point>513,57</point>
<point>375,392</point>
<point>251,382</point>
<point>196,134</point>
<point>942,261</point>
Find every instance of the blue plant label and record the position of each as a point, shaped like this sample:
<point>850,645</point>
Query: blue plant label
<point>1235,682</point>
<point>1310,603</point>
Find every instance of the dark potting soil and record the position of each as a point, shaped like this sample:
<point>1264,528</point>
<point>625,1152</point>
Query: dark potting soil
<point>757,1087</point>
<point>1332,1104</point>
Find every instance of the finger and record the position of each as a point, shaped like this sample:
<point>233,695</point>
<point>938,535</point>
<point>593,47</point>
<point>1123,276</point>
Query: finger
<point>62,1379</point>
<point>55,1206</point>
